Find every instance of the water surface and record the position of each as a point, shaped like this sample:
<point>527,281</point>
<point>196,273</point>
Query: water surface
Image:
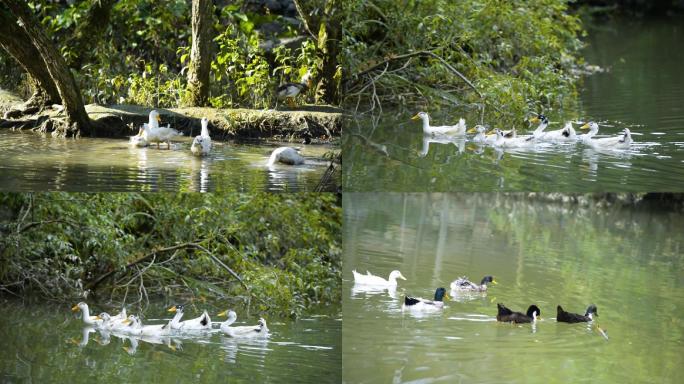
<point>35,162</point>
<point>48,343</point>
<point>641,89</point>
<point>626,261</point>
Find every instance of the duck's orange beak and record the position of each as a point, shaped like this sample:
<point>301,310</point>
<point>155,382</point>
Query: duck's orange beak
<point>74,308</point>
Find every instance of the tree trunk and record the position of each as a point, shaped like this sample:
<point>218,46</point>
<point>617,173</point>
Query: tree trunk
<point>16,42</point>
<point>331,50</point>
<point>327,30</point>
<point>77,120</point>
<point>200,54</point>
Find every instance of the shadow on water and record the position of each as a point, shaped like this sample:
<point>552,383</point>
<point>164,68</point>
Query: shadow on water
<point>627,261</point>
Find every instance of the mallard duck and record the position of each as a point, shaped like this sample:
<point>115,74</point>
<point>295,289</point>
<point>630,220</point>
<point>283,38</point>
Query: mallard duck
<point>201,145</point>
<point>285,155</point>
<point>133,326</point>
<point>568,317</point>
<point>449,130</point>
<point>201,322</point>
<point>289,91</point>
<point>153,133</point>
<point>622,141</point>
<point>462,284</point>
<point>420,304</point>
<point>87,318</point>
<point>507,316</point>
<point>259,330</point>
<point>369,279</point>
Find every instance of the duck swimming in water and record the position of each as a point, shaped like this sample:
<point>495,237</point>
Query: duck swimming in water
<point>569,317</point>
<point>448,130</point>
<point>507,316</point>
<point>370,279</point>
<point>420,304</point>
<point>462,284</point>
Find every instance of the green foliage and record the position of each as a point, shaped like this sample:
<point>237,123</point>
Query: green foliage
<point>144,52</point>
<point>286,248</point>
<point>519,55</point>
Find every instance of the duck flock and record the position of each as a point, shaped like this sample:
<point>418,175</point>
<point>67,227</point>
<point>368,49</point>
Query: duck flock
<point>131,325</point>
<point>152,133</point>
<point>510,139</point>
<point>464,286</point>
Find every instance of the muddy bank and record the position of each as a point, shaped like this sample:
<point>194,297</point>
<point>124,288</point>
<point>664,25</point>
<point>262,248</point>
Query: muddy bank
<point>124,120</point>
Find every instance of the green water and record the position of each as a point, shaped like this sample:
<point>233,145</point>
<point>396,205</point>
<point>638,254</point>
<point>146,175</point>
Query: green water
<point>48,343</point>
<point>34,162</point>
<point>629,262</point>
<point>643,90</point>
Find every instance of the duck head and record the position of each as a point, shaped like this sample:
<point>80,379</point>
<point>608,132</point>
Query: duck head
<point>477,129</point>
<point>539,119</point>
<point>591,311</point>
<point>394,275</point>
<point>591,126</point>
<point>421,115</point>
<point>440,294</point>
<point>534,312</point>
<point>176,308</point>
<point>488,279</point>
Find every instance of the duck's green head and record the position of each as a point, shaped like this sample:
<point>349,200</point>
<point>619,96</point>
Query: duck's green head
<point>488,279</point>
<point>440,294</point>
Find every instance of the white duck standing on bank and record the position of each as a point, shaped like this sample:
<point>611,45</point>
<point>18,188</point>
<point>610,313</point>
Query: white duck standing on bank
<point>201,145</point>
<point>289,91</point>
<point>259,330</point>
<point>153,133</point>
<point>285,155</point>
<point>370,279</point>
<point>622,141</point>
<point>446,130</point>
<point>95,321</point>
<point>202,322</point>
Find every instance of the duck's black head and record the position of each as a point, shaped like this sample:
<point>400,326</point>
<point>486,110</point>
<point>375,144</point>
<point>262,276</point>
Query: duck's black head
<point>439,294</point>
<point>533,309</point>
<point>592,310</point>
<point>177,308</point>
<point>487,279</point>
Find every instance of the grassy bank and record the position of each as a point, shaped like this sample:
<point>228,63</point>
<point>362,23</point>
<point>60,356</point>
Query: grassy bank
<point>275,253</point>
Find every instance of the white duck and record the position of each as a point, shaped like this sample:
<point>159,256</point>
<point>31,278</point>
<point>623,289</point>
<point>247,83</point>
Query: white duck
<point>618,142</point>
<point>425,305</point>
<point>133,326</point>
<point>199,323</point>
<point>153,133</point>
<point>87,318</point>
<point>539,133</point>
<point>449,130</point>
<point>259,330</point>
<point>201,145</point>
<point>285,155</point>
<point>138,140</point>
<point>369,279</point>
<point>515,142</point>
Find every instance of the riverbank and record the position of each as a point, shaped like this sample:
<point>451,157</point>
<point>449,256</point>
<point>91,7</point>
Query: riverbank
<point>320,122</point>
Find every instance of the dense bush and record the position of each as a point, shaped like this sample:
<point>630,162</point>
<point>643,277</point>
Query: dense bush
<point>285,248</point>
<point>520,56</point>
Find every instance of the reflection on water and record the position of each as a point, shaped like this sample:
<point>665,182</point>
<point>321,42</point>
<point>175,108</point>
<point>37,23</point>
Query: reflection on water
<point>627,261</point>
<point>642,90</point>
<point>34,162</point>
<point>45,343</point>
